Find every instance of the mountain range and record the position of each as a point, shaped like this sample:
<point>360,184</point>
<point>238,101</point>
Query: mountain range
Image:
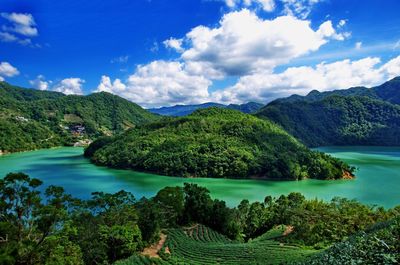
<point>355,116</point>
<point>183,110</point>
<point>31,119</point>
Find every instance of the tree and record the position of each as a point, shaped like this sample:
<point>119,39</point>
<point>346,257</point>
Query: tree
<point>26,223</point>
<point>198,204</point>
<point>172,203</point>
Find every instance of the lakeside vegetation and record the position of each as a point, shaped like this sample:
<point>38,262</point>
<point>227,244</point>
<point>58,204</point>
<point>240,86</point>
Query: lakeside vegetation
<point>47,226</point>
<point>216,143</point>
<point>32,119</point>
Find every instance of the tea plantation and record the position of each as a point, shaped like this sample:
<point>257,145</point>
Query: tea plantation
<point>202,245</point>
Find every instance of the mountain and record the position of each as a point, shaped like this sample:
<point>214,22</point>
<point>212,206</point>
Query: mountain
<point>183,110</point>
<point>389,92</point>
<point>215,143</point>
<point>356,116</point>
<point>31,119</point>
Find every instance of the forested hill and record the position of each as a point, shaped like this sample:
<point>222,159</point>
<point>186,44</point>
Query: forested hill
<point>215,143</point>
<point>389,91</point>
<point>31,119</point>
<point>183,110</point>
<point>356,116</point>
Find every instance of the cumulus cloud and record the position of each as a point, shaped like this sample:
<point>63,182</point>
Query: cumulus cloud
<point>70,86</point>
<point>40,83</point>
<point>175,44</point>
<point>7,70</point>
<point>20,28</point>
<point>163,83</point>
<point>23,24</point>
<point>326,29</point>
<point>159,83</point>
<point>244,43</point>
<point>106,85</point>
<point>392,68</point>
<point>67,86</point>
<point>358,45</point>
<point>264,87</point>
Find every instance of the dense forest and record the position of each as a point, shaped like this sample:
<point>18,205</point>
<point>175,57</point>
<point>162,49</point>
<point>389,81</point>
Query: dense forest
<point>216,143</point>
<point>356,116</point>
<point>47,226</point>
<point>31,119</point>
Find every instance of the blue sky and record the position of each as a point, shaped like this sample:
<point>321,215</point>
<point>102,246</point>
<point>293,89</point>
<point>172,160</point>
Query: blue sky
<point>159,52</point>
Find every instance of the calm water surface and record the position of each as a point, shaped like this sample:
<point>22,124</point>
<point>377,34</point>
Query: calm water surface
<point>377,182</point>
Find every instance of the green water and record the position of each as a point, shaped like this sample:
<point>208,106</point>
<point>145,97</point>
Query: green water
<point>378,177</point>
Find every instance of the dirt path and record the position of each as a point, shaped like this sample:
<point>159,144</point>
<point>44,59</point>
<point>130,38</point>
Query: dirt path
<point>152,251</point>
<point>289,229</point>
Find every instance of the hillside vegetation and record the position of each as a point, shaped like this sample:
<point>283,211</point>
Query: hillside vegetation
<point>216,143</point>
<point>47,226</point>
<point>31,119</point>
<point>356,116</point>
<point>380,244</point>
<point>200,245</point>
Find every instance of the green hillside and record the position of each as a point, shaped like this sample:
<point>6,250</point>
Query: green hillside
<point>378,245</point>
<point>216,143</point>
<point>357,116</point>
<point>32,119</point>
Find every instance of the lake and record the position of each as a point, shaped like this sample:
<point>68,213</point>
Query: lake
<point>377,182</point>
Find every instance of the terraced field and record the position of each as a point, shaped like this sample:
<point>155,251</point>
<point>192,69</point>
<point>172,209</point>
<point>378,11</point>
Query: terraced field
<point>201,245</point>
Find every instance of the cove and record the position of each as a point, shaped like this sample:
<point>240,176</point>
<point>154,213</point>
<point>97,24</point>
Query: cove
<point>377,182</point>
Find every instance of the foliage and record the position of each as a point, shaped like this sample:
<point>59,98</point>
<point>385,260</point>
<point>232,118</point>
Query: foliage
<point>31,119</point>
<point>54,228</point>
<point>216,143</point>
<point>380,245</point>
<point>357,116</point>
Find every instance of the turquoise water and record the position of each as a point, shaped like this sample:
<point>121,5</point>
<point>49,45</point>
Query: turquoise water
<point>377,182</point>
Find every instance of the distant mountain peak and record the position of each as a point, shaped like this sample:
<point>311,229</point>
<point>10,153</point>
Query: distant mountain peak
<point>183,110</point>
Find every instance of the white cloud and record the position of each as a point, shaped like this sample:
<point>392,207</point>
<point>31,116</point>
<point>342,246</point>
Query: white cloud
<point>326,29</point>
<point>7,70</point>
<point>7,37</point>
<point>70,86</point>
<point>106,85</point>
<point>1,79</point>
<point>244,43</point>
<point>159,83</point>
<point>40,83</point>
<point>264,87</point>
<point>358,45</point>
<point>392,68</point>
<point>342,23</point>
<point>175,44</point>
<point>299,8</point>
<point>23,24</point>
<point>266,5</point>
